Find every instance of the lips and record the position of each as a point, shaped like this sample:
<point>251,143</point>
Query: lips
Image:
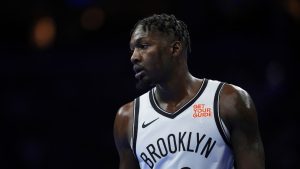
<point>139,71</point>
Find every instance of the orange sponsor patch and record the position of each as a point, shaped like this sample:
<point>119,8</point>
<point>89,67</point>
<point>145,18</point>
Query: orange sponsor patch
<point>200,110</point>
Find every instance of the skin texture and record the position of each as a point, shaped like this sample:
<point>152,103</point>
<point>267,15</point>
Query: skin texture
<point>160,60</point>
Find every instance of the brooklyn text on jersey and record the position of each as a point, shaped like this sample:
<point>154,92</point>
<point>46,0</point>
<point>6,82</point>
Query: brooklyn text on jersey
<point>174,143</point>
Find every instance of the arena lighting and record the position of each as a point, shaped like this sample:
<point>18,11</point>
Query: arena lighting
<point>44,32</point>
<point>92,18</point>
<point>293,7</point>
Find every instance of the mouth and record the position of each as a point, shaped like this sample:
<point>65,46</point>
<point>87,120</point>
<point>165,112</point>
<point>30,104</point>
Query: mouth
<point>139,71</point>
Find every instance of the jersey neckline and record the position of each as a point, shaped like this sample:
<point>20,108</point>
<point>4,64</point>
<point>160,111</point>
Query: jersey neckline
<point>180,110</point>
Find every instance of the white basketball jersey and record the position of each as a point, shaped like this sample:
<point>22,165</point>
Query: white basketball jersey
<point>193,137</point>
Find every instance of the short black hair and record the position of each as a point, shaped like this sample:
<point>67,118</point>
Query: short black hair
<point>168,24</point>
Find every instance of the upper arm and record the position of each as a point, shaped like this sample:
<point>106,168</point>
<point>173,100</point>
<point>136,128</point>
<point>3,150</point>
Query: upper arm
<point>238,112</point>
<point>122,135</point>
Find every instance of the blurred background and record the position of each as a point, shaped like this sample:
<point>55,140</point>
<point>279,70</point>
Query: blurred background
<point>65,71</point>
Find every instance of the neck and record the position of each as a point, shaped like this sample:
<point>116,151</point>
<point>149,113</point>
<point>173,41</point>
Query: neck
<point>177,89</point>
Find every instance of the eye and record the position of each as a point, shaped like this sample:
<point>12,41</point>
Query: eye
<point>143,46</point>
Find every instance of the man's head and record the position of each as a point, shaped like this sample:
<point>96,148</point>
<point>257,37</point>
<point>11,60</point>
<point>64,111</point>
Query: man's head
<point>169,25</point>
<point>160,44</point>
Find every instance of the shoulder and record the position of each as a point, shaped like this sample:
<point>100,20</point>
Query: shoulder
<point>235,104</point>
<point>125,111</point>
<point>235,93</point>
<point>123,117</point>
<point>122,124</point>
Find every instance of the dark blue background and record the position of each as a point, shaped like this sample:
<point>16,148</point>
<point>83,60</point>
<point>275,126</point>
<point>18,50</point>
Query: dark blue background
<point>58,103</point>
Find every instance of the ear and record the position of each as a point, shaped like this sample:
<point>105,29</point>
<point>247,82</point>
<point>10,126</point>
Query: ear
<point>177,48</point>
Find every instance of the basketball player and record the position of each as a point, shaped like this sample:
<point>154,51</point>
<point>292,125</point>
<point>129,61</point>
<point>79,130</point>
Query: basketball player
<point>182,122</point>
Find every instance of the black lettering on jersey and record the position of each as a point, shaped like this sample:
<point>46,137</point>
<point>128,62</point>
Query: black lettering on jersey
<point>180,141</point>
<point>208,147</point>
<point>189,142</point>
<point>162,145</point>
<point>147,160</point>
<point>172,143</point>
<point>175,143</point>
<point>199,141</point>
<point>151,151</point>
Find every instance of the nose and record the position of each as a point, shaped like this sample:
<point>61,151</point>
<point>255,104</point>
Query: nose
<point>135,57</point>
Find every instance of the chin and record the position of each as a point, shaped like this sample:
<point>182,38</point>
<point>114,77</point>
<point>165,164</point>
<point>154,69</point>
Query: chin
<point>144,84</point>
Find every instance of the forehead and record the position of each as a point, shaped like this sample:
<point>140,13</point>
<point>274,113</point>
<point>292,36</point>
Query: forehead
<point>140,34</point>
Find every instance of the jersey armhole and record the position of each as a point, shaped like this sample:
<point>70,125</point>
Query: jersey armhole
<point>136,108</point>
<point>219,122</point>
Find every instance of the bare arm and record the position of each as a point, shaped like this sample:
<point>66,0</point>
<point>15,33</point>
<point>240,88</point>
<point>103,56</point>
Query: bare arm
<point>238,112</point>
<point>122,135</point>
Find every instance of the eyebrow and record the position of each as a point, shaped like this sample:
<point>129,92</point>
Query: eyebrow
<point>137,41</point>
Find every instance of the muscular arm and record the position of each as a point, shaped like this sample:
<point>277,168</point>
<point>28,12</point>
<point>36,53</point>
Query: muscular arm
<point>122,135</point>
<point>238,112</point>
